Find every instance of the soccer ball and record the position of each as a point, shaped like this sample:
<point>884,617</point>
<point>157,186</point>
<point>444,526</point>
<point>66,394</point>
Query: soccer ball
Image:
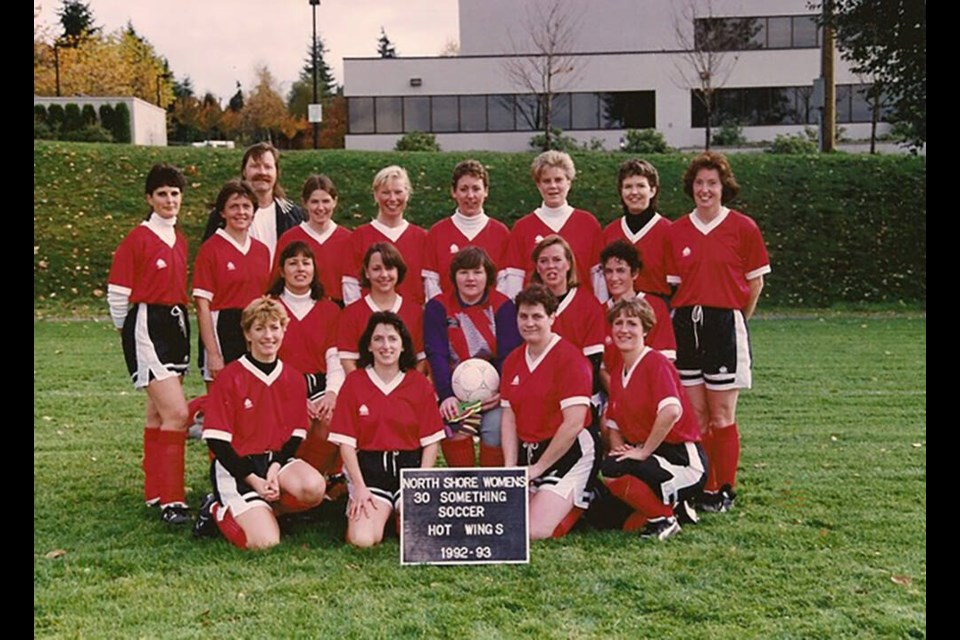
<point>475,379</point>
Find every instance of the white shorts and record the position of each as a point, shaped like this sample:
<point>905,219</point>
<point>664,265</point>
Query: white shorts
<point>572,474</point>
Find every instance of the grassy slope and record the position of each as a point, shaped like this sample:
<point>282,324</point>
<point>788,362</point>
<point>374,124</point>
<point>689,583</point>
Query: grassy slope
<point>839,228</point>
<point>828,538</point>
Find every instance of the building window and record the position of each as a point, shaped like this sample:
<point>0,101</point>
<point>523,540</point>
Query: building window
<point>360,112</point>
<point>628,110</point>
<point>473,113</point>
<point>758,32</point>
<point>528,112</point>
<point>445,114</point>
<point>389,115</point>
<point>778,105</point>
<point>416,113</point>
<point>585,109</point>
<point>500,112</point>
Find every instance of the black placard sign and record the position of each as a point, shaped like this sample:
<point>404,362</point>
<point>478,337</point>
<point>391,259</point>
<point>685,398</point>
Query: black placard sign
<point>464,516</point>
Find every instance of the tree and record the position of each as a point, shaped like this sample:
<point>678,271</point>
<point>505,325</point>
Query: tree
<point>236,102</point>
<point>385,48</point>
<point>708,51</point>
<point>264,111</point>
<point>887,41</point>
<point>450,49</point>
<point>77,20</point>
<point>550,26</point>
<point>301,92</point>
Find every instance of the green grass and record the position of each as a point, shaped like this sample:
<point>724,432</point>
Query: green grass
<point>840,229</point>
<point>828,537</point>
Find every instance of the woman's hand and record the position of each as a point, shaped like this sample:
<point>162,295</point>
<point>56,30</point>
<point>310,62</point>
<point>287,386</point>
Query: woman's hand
<point>494,401</point>
<point>628,452</point>
<point>263,487</point>
<point>324,407</point>
<point>362,503</point>
<point>214,364</point>
<point>449,408</point>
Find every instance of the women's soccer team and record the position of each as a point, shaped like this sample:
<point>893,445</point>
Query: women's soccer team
<point>328,353</point>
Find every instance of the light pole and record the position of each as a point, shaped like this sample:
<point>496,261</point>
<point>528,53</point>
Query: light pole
<point>56,63</point>
<point>313,52</point>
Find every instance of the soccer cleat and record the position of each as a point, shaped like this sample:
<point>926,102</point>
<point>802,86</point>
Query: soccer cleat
<point>709,501</point>
<point>718,501</point>
<point>176,513</point>
<point>660,528</point>
<point>727,497</point>
<point>685,512</point>
<point>204,526</point>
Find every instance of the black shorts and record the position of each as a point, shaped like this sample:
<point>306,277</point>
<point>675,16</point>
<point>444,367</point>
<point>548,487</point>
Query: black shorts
<point>156,342</point>
<point>229,336</point>
<point>381,471</point>
<point>713,348</point>
<point>675,471</point>
<point>575,471</point>
<point>234,493</point>
<point>316,385</point>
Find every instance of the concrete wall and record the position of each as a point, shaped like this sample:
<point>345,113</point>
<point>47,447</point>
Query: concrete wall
<point>148,122</point>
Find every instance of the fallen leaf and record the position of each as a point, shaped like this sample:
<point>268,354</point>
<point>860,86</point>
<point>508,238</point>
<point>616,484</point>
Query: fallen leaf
<point>916,445</point>
<point>903,581</point>
<point>56,553</point>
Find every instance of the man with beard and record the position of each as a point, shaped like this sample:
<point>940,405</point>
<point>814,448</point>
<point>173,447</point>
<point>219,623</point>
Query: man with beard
<point>275,213</point>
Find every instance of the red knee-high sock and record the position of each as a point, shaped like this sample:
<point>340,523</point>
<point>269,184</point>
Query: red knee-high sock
<point>195,407</point>
<point>151,478</point>
<point>726,446</point>
<point>458,452</point>
<point>567,523</point>
<point>490,456</point>
<point>634,522</point>
<point>636,493</point>
<point>707,440</point>
<point>291,504</point>
<point>170,466</point>
<point>228,525</point>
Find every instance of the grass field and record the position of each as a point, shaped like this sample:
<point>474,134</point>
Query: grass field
<point>828,537</point>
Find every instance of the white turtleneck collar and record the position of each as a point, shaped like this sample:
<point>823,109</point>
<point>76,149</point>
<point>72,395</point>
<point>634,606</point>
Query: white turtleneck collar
<point>299,304</point>
<point>163,227</point>
<point>469,226</point>
<point>554,218</point>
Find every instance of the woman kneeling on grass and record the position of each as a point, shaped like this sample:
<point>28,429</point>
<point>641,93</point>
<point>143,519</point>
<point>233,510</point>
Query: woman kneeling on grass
<point>656,462</point>
<point>256,417</point>
<point>386,420</point>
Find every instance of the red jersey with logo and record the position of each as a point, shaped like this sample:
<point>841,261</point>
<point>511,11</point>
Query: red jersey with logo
<point>411,244</point>
<point>307,340</point>
<point>581,231</point>
<point>372,415</point>
<point>639,395</point>
<point>150,269</point>
<point>354,318</point>
<point>661,338</point>
<point>539,390</point>
<point>711,263</point>
<point>580,320</point>
<point>228,275</point>
<point>444,239</point>
<point>329,252</point>
<point>653,243</point>
<point>253,411</point>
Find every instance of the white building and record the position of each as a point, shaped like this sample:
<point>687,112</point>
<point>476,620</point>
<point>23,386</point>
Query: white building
<point>148,122</point>
<point>628,73</point>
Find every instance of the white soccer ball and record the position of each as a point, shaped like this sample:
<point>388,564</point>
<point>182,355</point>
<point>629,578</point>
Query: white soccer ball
<point>475,379</point>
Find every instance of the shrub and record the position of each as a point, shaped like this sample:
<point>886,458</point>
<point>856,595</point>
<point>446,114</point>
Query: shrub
<point>798,144</point>
<point>89,133</point>
<point>121,123</point>
<point>643,141</point>
<point>42,131</point>
<point>55,117</point>
<point>39,114</point>
<point>417,141</point>
<point>107,116</point>
<point>595,144</point>
<point>558,141</point>
<point>88,114</point>
<point>730,134</point>
<point>72,120</point>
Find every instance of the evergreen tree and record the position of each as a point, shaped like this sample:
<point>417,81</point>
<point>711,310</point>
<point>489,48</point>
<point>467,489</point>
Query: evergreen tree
<point>385,48</point>
<point>77,20</point>
<point>236,102</point>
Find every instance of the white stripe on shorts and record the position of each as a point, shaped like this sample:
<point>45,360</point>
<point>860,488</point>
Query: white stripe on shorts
<point>576,479</point>
<point>147,359</point>
<point>681,476</point>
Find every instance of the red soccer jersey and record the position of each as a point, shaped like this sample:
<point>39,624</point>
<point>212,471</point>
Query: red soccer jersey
<point>410,243</point>
<point>652,384</point>
<point>652,241</point>
<point>375,416</point>
<point>149,269</point>
<point>580,320</point>
<point>712,263</point>
<point>307,340</point>
<point>253,411</point>
<point>329,252</point>
<point>444,239</point>
<point>661,338</point>
<point>228,275</point>
<point>354,320</point>
<point>539,390</point>
<point>581,231</point>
